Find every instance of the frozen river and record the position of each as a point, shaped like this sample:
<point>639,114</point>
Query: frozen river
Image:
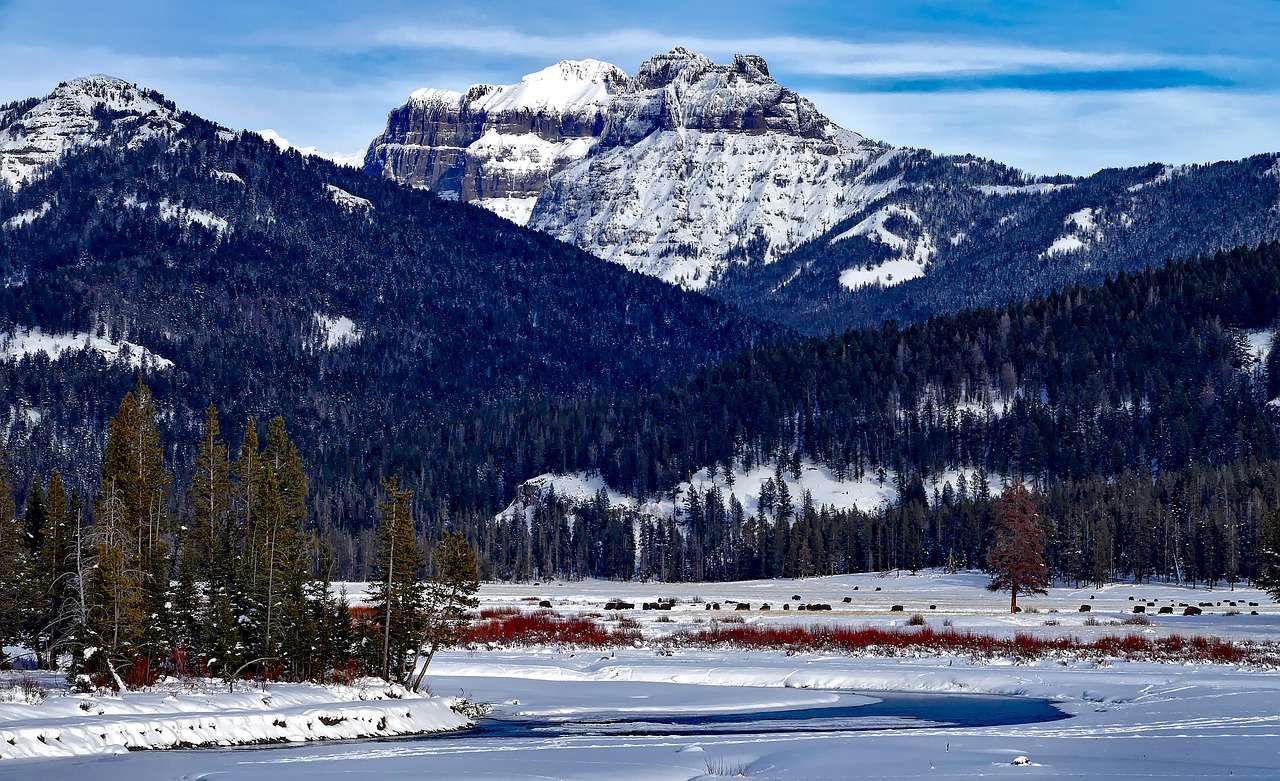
<point>492,741</point>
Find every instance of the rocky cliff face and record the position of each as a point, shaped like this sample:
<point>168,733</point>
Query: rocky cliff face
<point>673,172</point>
<point>498,146</point>
<point>88,110</point>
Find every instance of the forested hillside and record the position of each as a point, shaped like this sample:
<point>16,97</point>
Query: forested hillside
<point>365,313</point>
<point>1136,406</point>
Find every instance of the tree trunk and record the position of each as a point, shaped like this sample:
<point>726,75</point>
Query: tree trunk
<point>417,682</point>
<point>1013,599</point>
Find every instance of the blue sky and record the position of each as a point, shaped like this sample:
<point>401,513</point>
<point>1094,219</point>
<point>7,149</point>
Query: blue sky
<point>1048,86</point>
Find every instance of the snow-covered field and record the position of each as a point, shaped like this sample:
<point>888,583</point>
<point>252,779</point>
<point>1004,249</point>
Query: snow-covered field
<point>1127,719</point>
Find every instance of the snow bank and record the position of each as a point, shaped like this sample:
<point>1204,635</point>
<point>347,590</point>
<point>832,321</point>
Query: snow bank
<point>83,726</point>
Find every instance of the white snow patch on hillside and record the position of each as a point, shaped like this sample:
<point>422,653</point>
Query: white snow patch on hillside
<point>16,344</point>
<point>999,406</point>
<point>1083,220</point>
<point>1167,174</point>
<point>346,159</point>
<point>1081,231</point>
<point>226,176</point>
<point>337,331</point>
<point>891,272</point>
<point>27,217</point>
<point>172,212</point>
<point>344,198</point>
<point>517,210</point>
<point>1260,342</point>
<point>867,494</point>
<point>1022,189</point>
<point>916,252</point>
<point>1064,244</point>
<point>578,487</point>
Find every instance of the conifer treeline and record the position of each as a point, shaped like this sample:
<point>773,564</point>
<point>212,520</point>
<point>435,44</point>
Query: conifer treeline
<point>1134,406</point>
<point>1200,525</point>
<point>226,576</point>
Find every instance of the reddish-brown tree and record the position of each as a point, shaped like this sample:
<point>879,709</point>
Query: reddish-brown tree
<point>1016,556</point>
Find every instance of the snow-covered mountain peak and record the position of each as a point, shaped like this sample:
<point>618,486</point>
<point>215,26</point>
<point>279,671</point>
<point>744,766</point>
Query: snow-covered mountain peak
<point>86,110</point>
<point>669,173</point>
<point>662,69</point>
<point>430,96</point>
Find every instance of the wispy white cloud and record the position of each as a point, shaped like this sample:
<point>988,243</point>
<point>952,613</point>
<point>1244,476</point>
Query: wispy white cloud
<point>799,54</point>
<point>1068,132</point>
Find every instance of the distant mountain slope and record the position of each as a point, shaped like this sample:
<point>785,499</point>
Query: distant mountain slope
<point>267,282</point>
<point>716,177</point>
<point>992,245</point>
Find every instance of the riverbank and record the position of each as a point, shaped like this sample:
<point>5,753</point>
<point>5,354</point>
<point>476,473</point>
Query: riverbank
<point>183,715</point>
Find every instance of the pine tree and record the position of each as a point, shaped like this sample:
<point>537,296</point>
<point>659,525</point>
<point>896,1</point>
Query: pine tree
<point>55,571</point>
<point>34,519</point>
<point>129,591</point>
<point>214,540</point>
<point>450,593</point>
<point>396,594</point>
<point>291,561</point>
<point>14,569</point>
<point>1267,557</point>
<point>1016,556</point>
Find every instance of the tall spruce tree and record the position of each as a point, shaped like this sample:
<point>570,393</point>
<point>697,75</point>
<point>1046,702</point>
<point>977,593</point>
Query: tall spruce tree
<point>34,518</point>
<point>1016,557</point>
<point>14,566</point>
<point>55,571</point>
<point>396,593</point>
<point>290,553</point>
<point>129,591</point>
<point>215,542</point>
<point>1268,555</point>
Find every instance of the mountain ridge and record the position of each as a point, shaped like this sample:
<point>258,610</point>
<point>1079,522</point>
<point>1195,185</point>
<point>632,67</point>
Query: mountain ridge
<point>717,178</point>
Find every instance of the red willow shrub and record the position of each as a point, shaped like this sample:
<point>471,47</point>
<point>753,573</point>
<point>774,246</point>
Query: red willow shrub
<point>544,627</point>
<point>891,641</point>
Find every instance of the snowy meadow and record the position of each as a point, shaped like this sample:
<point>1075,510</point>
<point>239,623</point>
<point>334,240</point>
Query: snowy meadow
<point>648,703</point>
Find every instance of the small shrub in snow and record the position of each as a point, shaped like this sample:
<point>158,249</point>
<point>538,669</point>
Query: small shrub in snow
<point>916,619</point>
<point>726,768</point>
<point>471,709</point>
<point>1023,647</point>
<point>22,688</point>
